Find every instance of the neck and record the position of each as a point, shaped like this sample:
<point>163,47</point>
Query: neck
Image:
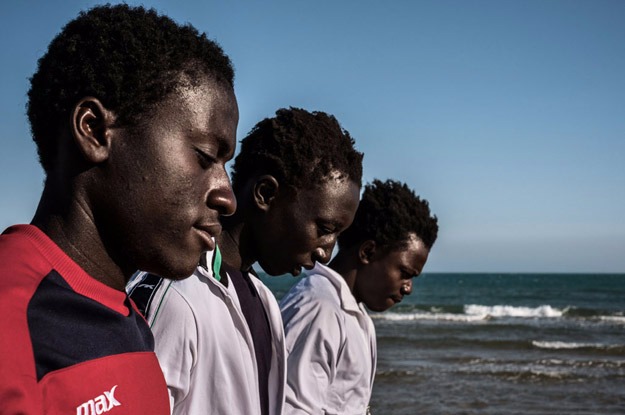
<point>232,243</point>
<point>345,263</point>
<point>236,242</point>
<point>70,224</point>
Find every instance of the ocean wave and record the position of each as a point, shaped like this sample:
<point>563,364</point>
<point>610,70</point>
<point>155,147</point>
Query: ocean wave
<point>519,365</point>
<point>397,373</point>
<point>552,369</point>
<point>426,316</point>
<point>476,313</point>
<point>512,311</point>
<point>473,312</point>
<point>613,319</point>
<point>585,364</point>
<point>559,345</point>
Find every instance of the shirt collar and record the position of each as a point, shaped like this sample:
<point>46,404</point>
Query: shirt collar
<point>348,301</point>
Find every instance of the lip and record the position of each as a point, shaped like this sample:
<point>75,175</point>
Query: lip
<point>397,299</point>
<point>207,233</point>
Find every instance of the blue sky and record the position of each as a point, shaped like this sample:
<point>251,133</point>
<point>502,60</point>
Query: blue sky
<point>508,116</point>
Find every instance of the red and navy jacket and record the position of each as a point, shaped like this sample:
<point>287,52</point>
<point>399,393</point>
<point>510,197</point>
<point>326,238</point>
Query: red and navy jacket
<point>69,344</point>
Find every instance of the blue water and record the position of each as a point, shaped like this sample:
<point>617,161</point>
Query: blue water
<point>501,344</point>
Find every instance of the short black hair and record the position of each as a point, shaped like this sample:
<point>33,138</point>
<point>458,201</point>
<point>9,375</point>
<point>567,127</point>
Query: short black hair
<point>128,57</point>
<point>298,148</point>
<point>388,213</point>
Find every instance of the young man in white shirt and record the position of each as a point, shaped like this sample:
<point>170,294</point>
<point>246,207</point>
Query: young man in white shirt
<point>330,338</point>
<point>219,335</point>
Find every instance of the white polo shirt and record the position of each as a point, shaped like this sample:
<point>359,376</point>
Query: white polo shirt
<point>205,347</point>
<point>331,347</point>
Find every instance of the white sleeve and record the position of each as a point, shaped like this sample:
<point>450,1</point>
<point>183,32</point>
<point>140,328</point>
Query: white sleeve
<point>175,334</point>
<point>314,335</point>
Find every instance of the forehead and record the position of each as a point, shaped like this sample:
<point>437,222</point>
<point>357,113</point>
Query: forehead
<point>206,110</point>
<point>413,254</point>
<point>333,199</point>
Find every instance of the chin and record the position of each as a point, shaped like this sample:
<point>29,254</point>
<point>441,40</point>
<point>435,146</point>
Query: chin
<point>176,271</point>
<point>377,308</point>
<point>178,277</point>
<point>272,271</point>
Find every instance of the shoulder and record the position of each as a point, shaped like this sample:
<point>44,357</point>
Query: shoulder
<point>171,306</point>
<point>314,301</point>
<point>314,289</point>
<point>314,321</point>
<point>21,262</point>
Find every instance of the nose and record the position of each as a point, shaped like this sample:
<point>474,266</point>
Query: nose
<point>322,254</point>
<point>406,289</point>
<point>220,195</point>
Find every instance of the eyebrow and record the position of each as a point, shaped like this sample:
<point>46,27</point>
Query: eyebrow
<point>332,222</point>
<point>224,149</point>
<point>411,270</point>
<point>326,220</point>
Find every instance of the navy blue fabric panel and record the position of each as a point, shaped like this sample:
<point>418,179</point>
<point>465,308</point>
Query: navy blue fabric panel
<point>67,328</point>
<point>258,323</point>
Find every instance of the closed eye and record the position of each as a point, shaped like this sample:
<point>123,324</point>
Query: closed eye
<point>407,275</point>
<point>325,229</point>
<point>204,159</point>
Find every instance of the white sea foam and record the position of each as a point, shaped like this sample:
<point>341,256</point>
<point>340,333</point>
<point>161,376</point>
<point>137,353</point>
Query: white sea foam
<point>426,316</point>
<point>474,312</point>
<point>512,311</point>
<point>613,319</point>
<point>569,345</point>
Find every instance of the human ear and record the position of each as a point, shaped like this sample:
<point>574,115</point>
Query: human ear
<point>265,191</point>
<point>366,251</point>
<point>90,127</point>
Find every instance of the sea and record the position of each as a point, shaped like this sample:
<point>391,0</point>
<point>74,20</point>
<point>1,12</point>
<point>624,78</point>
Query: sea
<point>500,344</point>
